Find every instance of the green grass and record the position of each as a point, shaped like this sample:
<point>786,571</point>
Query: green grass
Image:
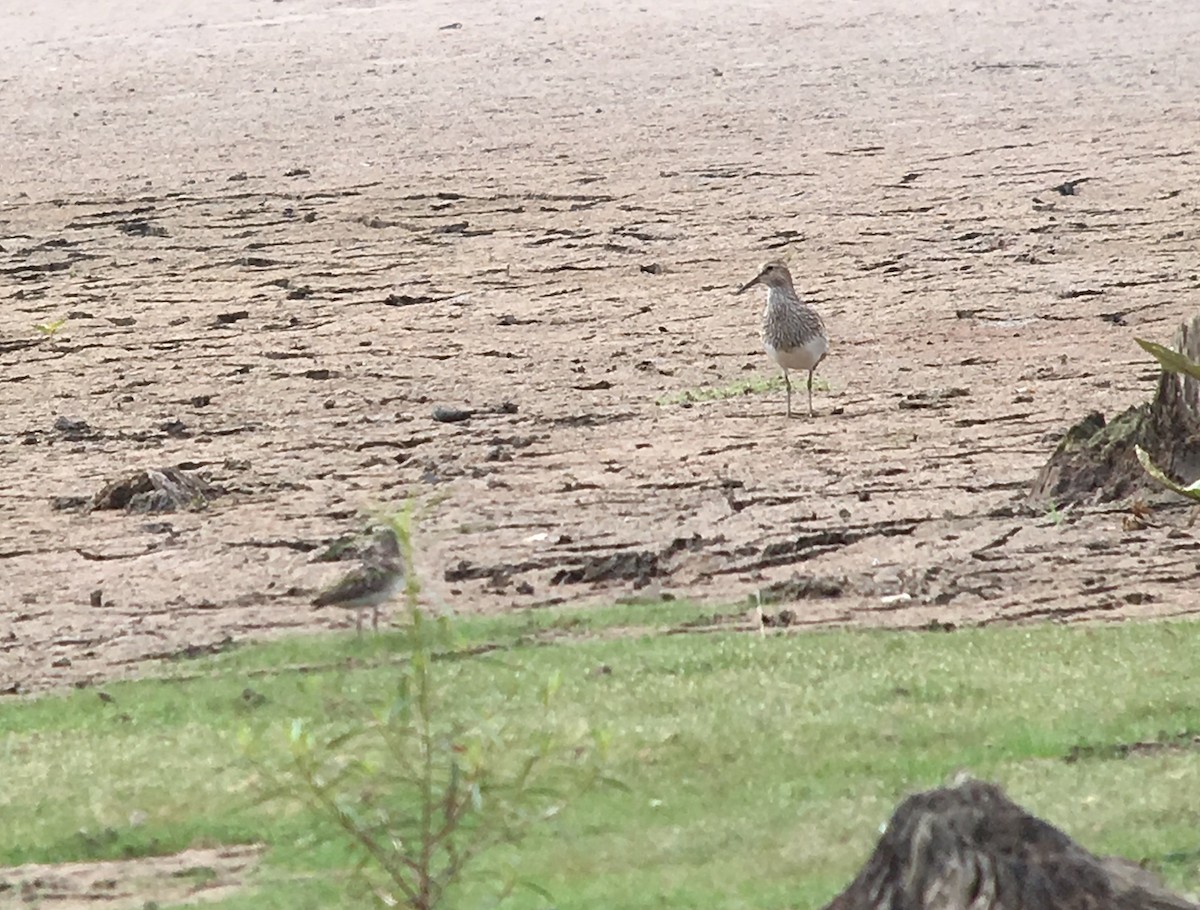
<point>758,769</point>
<point>757,385</point>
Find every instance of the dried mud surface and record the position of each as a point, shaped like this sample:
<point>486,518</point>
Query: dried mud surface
<point>282,234</point>
<point>197,876</point>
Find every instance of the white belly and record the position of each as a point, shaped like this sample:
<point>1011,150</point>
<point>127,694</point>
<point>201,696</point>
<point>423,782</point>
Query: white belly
<point>805,357</point>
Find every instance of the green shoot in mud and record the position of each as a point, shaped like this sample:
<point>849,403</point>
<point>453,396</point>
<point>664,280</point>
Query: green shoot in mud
<point>756,386</point>
<point>1055,515</point>
<point>50,329</point>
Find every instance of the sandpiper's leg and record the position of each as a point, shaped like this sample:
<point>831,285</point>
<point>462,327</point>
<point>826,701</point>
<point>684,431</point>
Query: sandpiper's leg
<point>375,620</point>
<point>810,376</point>
<point>788,384</point>
<point>358,623</point>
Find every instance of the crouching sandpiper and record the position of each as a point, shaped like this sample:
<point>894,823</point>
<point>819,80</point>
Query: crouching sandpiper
<point>793,333</point>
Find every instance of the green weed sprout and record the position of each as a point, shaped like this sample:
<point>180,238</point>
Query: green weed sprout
<point>50,329</point>
<point>429,784</point>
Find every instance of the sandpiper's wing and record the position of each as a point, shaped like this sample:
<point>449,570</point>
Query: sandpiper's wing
<point>355,584</point>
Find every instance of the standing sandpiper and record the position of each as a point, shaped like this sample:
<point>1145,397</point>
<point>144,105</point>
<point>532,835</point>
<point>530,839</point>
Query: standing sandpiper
<point>375,583</point>
<point>792,332</point>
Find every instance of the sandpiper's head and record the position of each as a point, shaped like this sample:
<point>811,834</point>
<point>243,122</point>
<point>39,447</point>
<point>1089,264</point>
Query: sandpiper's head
<point>384,545</point>
<point>772,275</point>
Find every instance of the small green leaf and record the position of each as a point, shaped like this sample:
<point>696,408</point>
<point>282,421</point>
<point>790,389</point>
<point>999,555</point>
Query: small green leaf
<point>536,889</point>
<point>1192,491</point>
<point>338,741</point>
<point>1171,361</point>
<point>613,784</point>
<point>553,684</point>
<point>602,740</point>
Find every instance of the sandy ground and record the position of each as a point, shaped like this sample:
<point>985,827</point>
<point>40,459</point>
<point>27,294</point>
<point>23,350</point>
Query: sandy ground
<point>196,876</point>
<point>282,233</point>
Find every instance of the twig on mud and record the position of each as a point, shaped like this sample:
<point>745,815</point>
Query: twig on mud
<point>105,557</point>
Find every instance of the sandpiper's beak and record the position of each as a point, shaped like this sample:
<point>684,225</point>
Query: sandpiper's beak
<point>749,284</point>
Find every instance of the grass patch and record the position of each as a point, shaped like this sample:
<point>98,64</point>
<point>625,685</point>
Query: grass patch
<point>759,769</point>
<point>758,385</point>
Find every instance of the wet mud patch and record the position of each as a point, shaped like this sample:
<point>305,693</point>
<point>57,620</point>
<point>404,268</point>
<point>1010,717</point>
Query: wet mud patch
<point>193,876</point>
<point>1184,741</point>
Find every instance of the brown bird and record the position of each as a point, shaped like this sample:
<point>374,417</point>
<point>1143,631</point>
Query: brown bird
<point>375,583</point>
<point>793,333</point>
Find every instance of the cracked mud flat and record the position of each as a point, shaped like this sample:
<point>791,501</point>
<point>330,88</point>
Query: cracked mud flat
<point>196,876</point>
<point>282,234</point>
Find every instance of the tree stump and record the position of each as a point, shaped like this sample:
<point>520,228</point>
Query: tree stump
<point>968,847</point>
<point>1095,461</point>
